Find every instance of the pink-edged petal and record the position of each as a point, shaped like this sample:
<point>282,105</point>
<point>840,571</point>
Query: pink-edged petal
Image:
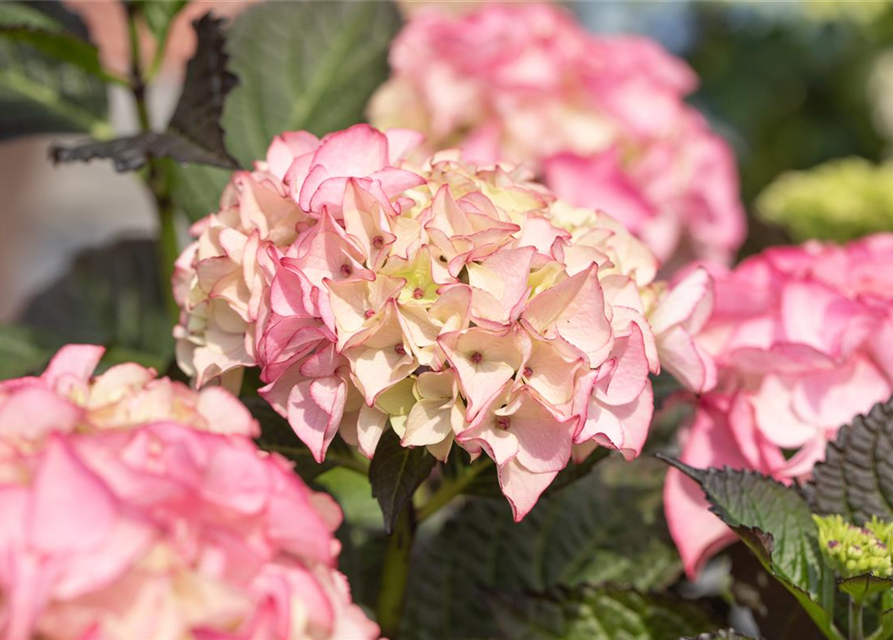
<point>775,415</point>
<point>680,354</point>
<point>371,424</point>
<point>73,361</point>
<point>575,310</point>
<point>73,510</point>
<point>621,427</point>
<point>32,412</point>
<point>697,532</point>
<point>401,142</point>
<point>522,487</point>
<point>225,414</point>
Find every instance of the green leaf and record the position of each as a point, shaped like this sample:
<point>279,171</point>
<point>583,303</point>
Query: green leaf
<point>590,613</point>
<point>863,587</point>
<point>110,296</point>
<point>354,493</point>
<point>58,44</point>
<point>24,351</point>
<point>301,65</point>
<point>776,524</point>
<point>49,77</point>
<point>194,134</point>
<point>856,478</point>
<point>197,189</point>
<point>607,527</point>
<point>395,473</point>
<point>722,634</point>
<point>159,14</point>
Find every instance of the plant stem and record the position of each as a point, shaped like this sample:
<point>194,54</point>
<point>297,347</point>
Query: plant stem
<point>395,574</point>
<point>855,620</point>
<point>349,461</point>
<point>157,177</point>
<point>829,590</point>
<point>451,488</point>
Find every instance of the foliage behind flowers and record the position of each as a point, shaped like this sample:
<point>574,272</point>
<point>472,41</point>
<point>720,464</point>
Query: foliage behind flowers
<point>801,338</point>
<point>602,118</point>
<point>134,507</point>
<point>414,304</point>
<point>839,200</point>
<point>451,303</point>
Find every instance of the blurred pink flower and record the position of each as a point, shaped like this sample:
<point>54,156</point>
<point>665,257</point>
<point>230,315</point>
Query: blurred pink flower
<point>452,304</point>
<point>800,337</point>
<point>602,118</point>
<point>136,507</point>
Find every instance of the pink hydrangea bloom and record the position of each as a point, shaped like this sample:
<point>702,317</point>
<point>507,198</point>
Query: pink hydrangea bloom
<point>134,507</point>
<point>801,340</point>
<point>453,304</point>
<point>602,118</point>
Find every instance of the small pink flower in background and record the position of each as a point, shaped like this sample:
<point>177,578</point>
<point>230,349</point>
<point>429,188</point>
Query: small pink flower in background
<point>601,118</point>
<point>801,341</point>
<point>136,507</point>
<point>455,305</point>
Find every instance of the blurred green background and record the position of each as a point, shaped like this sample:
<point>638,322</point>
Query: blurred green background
<point>791,85</point>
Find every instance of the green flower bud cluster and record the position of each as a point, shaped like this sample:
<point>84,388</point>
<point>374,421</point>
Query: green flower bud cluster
<point>853,550</point>
<point>840,200</point>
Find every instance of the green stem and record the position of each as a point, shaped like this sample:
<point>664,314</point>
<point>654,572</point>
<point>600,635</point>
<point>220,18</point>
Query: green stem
<point>395,574</point>
<point>159,183</point>
<point>829,590</point>
<point>451,488</point>
<point>157,178</point>
<point>855,619</point>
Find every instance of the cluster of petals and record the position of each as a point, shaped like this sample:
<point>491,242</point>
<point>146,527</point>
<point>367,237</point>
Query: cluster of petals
<point>801,340</point>
<point>454,304</point>
<point>601,118</point>
<point>135,507</point>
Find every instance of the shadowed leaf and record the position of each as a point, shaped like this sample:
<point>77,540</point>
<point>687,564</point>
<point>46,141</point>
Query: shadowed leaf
<point>395,473</point>
<point>49,72</point>
<point>319,82</point>
<point>194,134</point>
<point>776,524</point>
<point>606,527</point>
<point>589,613</point>
<point>856,478</point>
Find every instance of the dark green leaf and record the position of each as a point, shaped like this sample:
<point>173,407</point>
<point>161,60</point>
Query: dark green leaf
<point>856,478</point>
<point>301,65</point>
<point>39,90</point>
<point>110,296</point>
<point>24,351</point>
<point>606,527</point>
<point>722,634</point>
<point>775,522</point>
<point>194,135</point>
<point>277,435</point>
<point>862,587</point>
<point>395,473</point>
<point>159,14</point>
<point>589,613</point>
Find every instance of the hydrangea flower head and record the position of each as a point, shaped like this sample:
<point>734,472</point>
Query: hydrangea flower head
<point>852,550</point>
<point>602,118</point>
<point>136,507</point>
<point>800,337</point>
<point>455,304</point>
